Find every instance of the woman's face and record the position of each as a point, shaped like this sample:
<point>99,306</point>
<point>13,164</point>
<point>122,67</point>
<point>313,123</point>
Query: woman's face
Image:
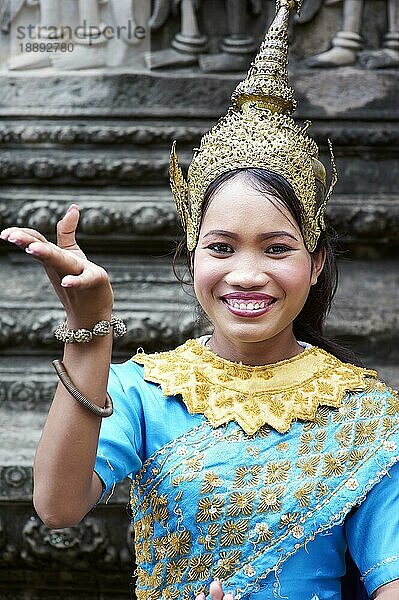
<point>252,271</point>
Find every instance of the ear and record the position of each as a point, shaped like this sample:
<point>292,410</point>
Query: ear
<point>318,260</point>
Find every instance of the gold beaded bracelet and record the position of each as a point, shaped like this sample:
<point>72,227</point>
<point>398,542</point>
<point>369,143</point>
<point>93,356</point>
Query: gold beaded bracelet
<point>77,394</point>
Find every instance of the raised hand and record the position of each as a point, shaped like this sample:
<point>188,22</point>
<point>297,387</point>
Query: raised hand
<point>82,286</point>
<point>216,593</point>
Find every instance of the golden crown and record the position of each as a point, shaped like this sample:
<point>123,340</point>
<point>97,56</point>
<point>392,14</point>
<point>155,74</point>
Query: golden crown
<point>258,131</point>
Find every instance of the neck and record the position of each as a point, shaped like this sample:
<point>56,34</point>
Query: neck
<point>281,347</point>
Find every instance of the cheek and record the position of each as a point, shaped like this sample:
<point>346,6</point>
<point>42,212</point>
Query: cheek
<point>294,276</point>
<point>206,275</point>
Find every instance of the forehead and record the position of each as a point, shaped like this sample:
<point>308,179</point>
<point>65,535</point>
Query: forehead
<point>236,205</point>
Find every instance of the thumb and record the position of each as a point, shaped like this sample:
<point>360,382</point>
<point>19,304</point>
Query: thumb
<point>66,228</point>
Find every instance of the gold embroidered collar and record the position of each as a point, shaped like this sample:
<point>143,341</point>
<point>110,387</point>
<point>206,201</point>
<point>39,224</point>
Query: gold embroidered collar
<point>274,394</point>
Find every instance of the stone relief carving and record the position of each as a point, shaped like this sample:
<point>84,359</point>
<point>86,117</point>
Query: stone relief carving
<point>7,551</point>
<point>239,45</point>
<point>187,44</point>
<point>144,328</point>
<point>75,35</point>
<point>87,544</point>
<point>141,135</point>
<point>190,44</point>
<point>25,396</point>
<point>15,477</point>
<point>347,43</point>
<point>93,34</point>
<point>87,34</point>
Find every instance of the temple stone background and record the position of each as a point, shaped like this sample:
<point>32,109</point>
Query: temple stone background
<point>89,118</point>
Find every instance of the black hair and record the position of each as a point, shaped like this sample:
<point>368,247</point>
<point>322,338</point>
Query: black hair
<point>308,326</point>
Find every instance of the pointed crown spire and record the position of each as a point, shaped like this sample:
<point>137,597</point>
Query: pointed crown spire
<point>259,132</point>
<point>267,80</point>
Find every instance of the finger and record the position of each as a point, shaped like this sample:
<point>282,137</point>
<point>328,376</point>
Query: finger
<point>216,591</point>
<point>66,228</point>
<point>90,277</point>
<point>228,596</point>
<point>21,236</point>
<point>200,596</point>
<point>55,258</point>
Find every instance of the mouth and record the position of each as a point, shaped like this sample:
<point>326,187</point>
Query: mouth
<point>250,306</point>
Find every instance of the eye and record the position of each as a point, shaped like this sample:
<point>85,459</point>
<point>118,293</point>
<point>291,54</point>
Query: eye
<point>278,249</point>
<point>220,248</point>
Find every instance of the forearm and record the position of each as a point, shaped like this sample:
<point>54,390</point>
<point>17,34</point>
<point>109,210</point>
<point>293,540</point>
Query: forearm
<point>64,486</point>
<point>389,591</point>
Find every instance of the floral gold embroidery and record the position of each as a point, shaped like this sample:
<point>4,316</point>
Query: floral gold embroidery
<point>309,466</point>
<point>344,435</point>
<point>346,412</point>
<point>210,482</point>
<point>200,567</point>
<point>152,579</point>
<point>322,415</point>
<point>170,594</point>
<point>210,508</point>
<point>175,570</point>
<point>160,547</point>
<point>312,442</point>
<point>277,472</point>
<point>370,406</point>
<point>143,552</point>
<point>356,456</point>
<point>247,476</point>
<point>288,519</point>
<point>263,532</point>
<point>393,404</point>
<point>227,563</point>
<point>246,509</point>
<point>333,465</point>
<point>240,504</point>
<point>233,532</point>
<point>159,506</point>
<point>209,540</point>
<point>321,489</point>
<point>283,447</point>
<point>304,493</point>
<point>179,543</point>
<point>270,498</point>
<point>144,528</point>
<point>365,432</point>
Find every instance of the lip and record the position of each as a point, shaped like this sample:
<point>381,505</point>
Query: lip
<point>247,298</point>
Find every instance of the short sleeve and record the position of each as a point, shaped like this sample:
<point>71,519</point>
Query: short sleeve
<point>373,533</point>
<point>119,452</point>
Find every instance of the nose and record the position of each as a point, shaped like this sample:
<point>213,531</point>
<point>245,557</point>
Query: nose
<point>247,273</point>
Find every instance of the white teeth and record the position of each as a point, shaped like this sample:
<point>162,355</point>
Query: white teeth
<point>244,306</point>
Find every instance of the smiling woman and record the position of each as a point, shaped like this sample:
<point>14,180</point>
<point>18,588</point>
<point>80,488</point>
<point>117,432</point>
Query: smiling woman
<point>260,453</point>
<point>259,257</point>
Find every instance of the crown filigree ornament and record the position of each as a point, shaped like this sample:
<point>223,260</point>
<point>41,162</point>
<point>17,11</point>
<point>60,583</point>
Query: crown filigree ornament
<point>258,131</point>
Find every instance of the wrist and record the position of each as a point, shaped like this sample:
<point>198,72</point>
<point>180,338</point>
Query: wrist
<point>87,320</point>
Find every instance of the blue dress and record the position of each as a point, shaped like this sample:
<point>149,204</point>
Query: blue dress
<point>165,450</point>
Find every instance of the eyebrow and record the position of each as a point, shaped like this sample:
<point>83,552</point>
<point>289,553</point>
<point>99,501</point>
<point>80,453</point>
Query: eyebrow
<point>261,237</point>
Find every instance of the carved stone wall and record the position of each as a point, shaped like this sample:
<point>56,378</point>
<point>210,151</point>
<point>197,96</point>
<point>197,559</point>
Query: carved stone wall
<point>93,124</point>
